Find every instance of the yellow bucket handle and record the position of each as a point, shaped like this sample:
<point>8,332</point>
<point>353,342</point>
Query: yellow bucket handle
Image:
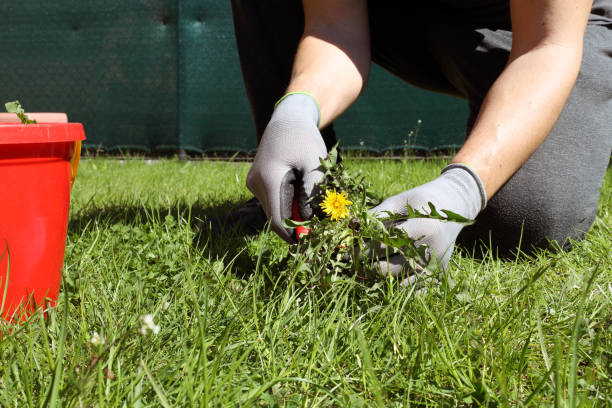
<point>76,156</point>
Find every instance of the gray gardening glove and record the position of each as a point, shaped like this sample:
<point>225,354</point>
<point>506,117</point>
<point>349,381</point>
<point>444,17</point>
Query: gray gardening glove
<point>458,189</point>
<point>288,154</point>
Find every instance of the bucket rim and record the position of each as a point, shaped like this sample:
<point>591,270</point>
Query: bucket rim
<point>17,133</point>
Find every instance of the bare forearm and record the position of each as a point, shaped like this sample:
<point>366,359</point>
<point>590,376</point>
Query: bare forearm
<point>333,57</point>
<point>518,113</point>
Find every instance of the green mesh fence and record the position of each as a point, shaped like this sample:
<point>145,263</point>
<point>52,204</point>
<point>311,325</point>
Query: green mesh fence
<point>162,75</point>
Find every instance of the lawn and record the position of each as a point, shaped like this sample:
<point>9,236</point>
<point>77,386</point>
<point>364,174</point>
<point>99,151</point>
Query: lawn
<point>239,328</point>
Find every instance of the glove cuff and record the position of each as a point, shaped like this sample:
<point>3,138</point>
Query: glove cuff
<point>305,99</point>
<point>471,172</point>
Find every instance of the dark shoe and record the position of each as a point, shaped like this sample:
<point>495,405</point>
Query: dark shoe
<point>248,219</point>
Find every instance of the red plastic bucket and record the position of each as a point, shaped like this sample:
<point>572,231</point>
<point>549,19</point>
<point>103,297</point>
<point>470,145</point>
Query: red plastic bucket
<point>38,164</point>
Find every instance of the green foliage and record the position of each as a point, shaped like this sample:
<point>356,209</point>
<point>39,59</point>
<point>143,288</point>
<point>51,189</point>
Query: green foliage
<point>15,107</point>
<point>349,245</point>
<point>238,328</point>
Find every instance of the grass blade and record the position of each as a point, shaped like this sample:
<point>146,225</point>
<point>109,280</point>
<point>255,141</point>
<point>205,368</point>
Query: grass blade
<point>367,366</point>
<point>572,383</point>
<point>8,270</point>
<point>156,387</point>
<point>59,362</point>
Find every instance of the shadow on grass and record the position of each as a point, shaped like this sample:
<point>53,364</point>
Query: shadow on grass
<point>222,242</point>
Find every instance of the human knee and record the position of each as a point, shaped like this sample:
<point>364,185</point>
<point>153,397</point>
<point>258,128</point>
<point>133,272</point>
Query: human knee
<point>507,226</point>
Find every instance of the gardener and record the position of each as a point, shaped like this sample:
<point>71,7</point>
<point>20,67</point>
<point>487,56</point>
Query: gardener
<point>537,76</point>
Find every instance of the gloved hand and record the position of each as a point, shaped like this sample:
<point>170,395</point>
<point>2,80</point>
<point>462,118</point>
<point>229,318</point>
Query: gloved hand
<point>458,189</point>
<point>288,153</point>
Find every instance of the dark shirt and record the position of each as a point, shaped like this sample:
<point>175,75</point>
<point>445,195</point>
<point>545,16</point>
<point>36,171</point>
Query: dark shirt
<point>601,13</point>
<point>496,13</point>
<point>469,4</point>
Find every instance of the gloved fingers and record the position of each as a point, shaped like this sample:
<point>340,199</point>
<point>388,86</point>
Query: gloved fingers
<point>419,281</point>
<point>256,185</point>
<point>390,205</point>
<point>274,189</point>
<point>412,273</point>
<point>374,248</point>
<point>394,265</point>
<point>378,257</point>
<point>307,189</point>
<point>281,208</point>
<point>439,237</point>
<point>387,260</point>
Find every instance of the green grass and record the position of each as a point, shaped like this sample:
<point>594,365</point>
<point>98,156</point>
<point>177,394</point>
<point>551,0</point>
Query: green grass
<point>238,328</point>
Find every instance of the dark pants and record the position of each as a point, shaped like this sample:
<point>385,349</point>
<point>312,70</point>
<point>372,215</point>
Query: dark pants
<point>554,195</point>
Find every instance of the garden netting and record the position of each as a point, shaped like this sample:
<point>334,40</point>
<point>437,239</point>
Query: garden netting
<point>162,75</point>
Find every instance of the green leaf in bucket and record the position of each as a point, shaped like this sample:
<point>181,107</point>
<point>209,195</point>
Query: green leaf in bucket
<point>15,107</point>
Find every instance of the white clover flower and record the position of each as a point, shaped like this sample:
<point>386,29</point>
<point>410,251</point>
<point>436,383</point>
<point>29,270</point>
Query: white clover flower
<point>147,320</point>
<point>96,340</point>
<point>148,324</point>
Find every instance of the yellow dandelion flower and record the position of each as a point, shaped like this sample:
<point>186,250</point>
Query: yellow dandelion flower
<point>335,204</point>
